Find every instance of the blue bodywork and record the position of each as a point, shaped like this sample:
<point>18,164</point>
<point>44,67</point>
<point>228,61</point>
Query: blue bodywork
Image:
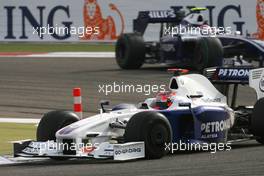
<point>209,124</point>
<point>171,46</point>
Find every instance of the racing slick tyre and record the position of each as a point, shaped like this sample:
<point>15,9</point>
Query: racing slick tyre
<point>52,121</point>
<point>130,51</point>
<point>215,51</point>
<point>151,127</point>
<point>208,52</point>
<point>257,121</point>
<point>215,56</point>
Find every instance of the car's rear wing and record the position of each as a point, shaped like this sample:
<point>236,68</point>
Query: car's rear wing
<point>174,15</point>
<point>243,75</point>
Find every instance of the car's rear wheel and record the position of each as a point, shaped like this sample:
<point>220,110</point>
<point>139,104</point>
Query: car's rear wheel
<point>207,52</point>
<point>130,51</point>
<point>257,121</point>
<point>215,51</point>
<point>151,127</point>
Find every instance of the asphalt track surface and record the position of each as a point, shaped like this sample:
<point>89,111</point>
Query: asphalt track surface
<point>30,87</point>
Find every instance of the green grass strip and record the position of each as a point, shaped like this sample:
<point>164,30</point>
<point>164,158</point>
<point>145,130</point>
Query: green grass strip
<point>55,47</point>
<point>12,132</point>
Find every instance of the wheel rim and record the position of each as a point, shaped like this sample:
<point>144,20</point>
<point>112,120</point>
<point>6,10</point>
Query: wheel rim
<point>158,135</point>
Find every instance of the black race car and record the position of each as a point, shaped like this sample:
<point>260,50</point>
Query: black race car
<point>198,51</point>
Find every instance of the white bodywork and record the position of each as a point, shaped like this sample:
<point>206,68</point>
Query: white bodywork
<point>192,84</point>
<point>96,131</point>
<point>256,81</point>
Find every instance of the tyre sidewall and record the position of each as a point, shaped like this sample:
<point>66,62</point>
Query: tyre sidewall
<point>51,122</point>
<point>200,58</point>
<point>257,119</point>
<point>153,150</point>
<point>139,128</point>
<point>132,49</point>
<point>208,52</point>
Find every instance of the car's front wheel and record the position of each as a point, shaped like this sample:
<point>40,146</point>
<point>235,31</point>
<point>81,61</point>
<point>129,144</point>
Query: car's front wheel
<point>151,127</point>
<point>51,122</point>
<point>257,121</point>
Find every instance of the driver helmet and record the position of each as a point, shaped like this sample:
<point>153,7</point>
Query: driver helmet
<point>195,19</point>
<point>163,100</point>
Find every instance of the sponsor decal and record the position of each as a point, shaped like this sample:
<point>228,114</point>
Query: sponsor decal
<point>260,20</point>
<point>212,100</point>
<point>88,149</point>
<point>215,127</point>
<point>261,84</point>
<point>93,17</point>
<point>233,73</point>
<point>162,14</point>
<point>128,150</point>
<point>210,129</point>
<point>37,15</point>
<point>29,150</point>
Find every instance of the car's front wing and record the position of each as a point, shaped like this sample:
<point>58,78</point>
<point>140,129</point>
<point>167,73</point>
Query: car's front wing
<point>124,151</point>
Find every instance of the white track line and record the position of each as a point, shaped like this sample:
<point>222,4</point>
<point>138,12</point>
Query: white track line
<point>5,160</point>
<point>74,54</point>
<point>63,55</point>
<point>19,120</point>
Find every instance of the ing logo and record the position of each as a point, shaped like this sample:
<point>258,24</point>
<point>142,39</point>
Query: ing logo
<point>260,19</point>
<point>93,17</point>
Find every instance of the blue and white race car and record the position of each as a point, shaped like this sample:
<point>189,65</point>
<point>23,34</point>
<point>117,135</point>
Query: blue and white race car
<point>191,111</point>
<point>185,41</point>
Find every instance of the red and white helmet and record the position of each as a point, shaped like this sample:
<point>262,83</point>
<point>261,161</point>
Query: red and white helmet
<point>163,100</point>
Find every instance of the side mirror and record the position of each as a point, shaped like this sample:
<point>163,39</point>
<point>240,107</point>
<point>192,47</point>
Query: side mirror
<point>185,105</point>
<point>144,106</point>
<point>104,103</point>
